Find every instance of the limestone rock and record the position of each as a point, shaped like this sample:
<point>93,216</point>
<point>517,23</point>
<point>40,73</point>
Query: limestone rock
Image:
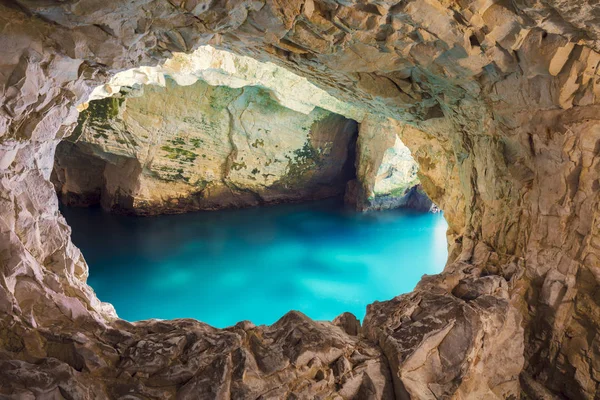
<point>386,171</point>
<point>418,200</point>
<point>441,346</point>
<point>293,358</point>
<point>223,68</point>
<point>349,323</point>
<point>213,130</point>
<point>179,148</point>
<point>500,101</point>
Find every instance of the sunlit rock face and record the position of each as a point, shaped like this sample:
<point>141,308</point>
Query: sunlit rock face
<point>386,171</point>
<point>223,68</point>
<point>214,130</point>
<point>501,102</point>
<point>181,148</point>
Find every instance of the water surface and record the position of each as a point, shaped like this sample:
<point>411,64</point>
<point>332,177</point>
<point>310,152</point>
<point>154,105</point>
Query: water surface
<point>256,264</point>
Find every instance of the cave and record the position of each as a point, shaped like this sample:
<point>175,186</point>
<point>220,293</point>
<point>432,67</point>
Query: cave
<point>498,104</point>
<point>213,130</point>
<point>168,140</point>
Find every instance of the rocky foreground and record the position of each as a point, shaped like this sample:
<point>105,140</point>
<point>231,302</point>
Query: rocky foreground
<point>425,345</point>
<point>498,103</point>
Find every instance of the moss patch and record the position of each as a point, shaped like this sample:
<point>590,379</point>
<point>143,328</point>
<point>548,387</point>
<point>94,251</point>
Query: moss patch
<point>222,96</point>
<point>175,153</point>
<point>263,99</point>
<point>305,160</point>
<point>170,174</point>
<point>98,116</point>
<point>196,142</point>
<point>238,166</point>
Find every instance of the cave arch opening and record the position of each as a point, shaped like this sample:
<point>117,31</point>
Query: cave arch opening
<point>517,147</point>
<point>171,140</point>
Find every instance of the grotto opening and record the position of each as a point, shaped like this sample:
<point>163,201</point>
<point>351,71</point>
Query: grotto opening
<point>497,102</point>
<point>165,141</point>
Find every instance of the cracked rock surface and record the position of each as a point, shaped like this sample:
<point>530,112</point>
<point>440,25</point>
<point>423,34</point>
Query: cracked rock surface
<point>499,103</point>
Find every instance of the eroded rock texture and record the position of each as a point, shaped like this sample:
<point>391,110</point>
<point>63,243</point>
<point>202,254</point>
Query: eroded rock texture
<point>186,359</point>
<point>500,102</point>
<point>177,149</point>
<point>386,171</point>
<point>217,130</point>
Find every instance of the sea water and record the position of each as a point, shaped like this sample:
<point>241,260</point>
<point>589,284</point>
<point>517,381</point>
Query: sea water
<point>256,264</point>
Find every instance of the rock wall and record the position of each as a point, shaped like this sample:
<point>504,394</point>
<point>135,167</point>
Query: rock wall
<point>223,68</point>
<point>178,148</point>
<point>385,169</point>
<point>501,105</point>
<point>188,116</point>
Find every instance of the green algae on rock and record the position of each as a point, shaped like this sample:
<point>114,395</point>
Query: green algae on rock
<point>259,134</point>
<point>207,147</point>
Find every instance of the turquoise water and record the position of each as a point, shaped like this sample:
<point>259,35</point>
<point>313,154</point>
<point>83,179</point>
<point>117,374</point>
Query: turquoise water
<point>256,264</point>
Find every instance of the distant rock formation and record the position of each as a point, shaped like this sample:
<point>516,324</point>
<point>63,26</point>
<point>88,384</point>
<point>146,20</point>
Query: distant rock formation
<point>178,148</point>
<point>163,140</point>
<point>387,175</point>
